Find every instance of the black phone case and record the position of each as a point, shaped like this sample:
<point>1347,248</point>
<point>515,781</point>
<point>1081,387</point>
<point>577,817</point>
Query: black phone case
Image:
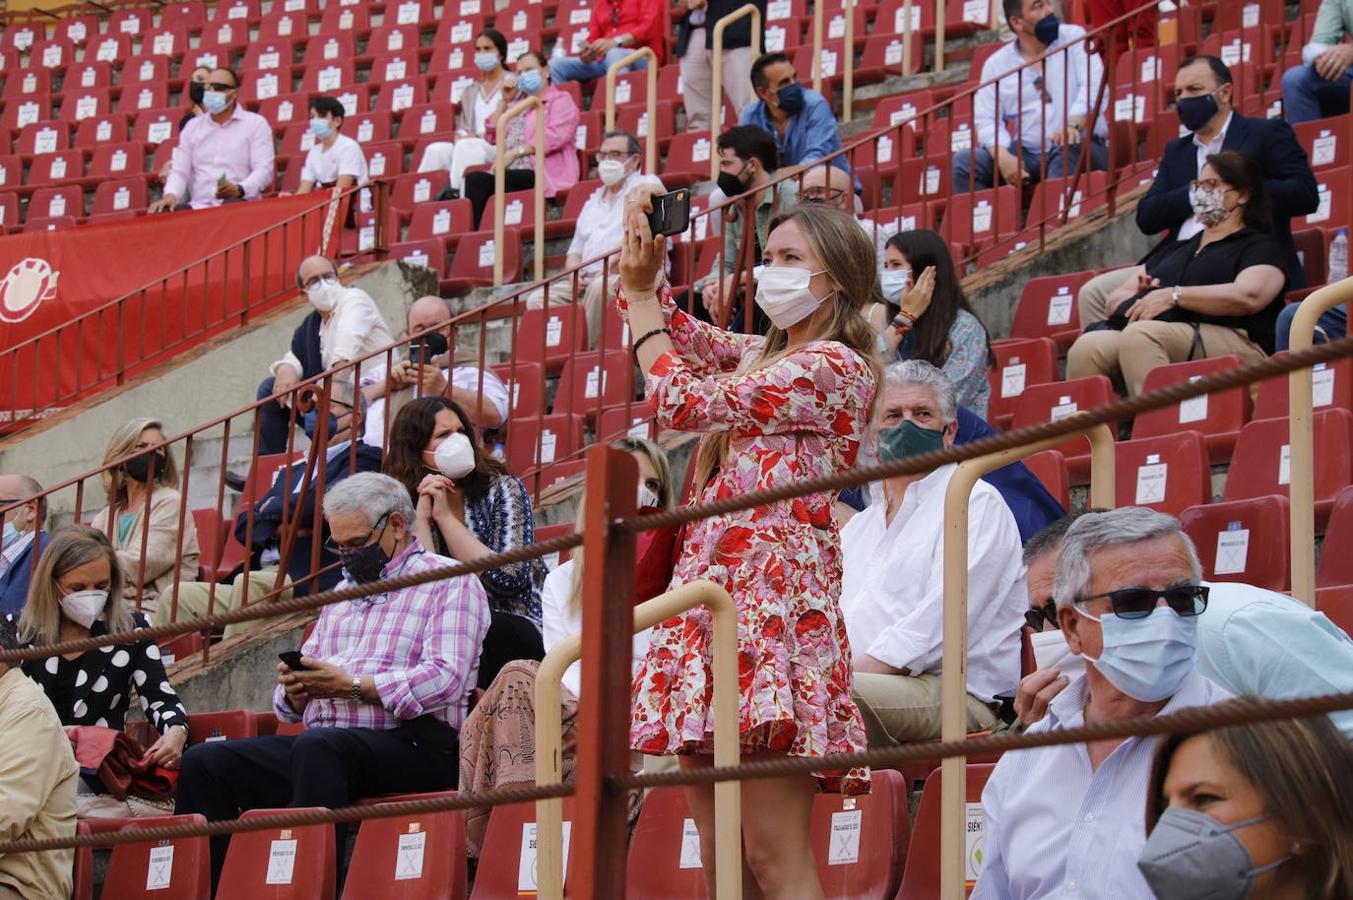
<point>671,213</point>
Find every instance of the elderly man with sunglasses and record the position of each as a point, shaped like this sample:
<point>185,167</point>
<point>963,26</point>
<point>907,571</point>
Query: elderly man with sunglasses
<point>1250,641</point>
<point>1068,820</point>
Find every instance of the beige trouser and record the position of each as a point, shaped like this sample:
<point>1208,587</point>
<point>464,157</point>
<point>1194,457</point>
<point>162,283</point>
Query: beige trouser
<point>593,302</point>
<point>1142,346</point>
<point>1093,300</point>
<point>898,709</point>
<point>697,80</point>
<point>195,595</point>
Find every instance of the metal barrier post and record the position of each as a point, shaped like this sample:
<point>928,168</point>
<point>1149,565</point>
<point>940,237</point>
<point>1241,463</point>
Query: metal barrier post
<point>650,135</point>
<point>906,42</point>
<point>939,35</point>
<point>1301,437</point>
<point>954,683</point>
<point>848,51</point>
<point>817,46</point>
<point>716,95</point>
<point>727,797</point>
<point>499,176</point>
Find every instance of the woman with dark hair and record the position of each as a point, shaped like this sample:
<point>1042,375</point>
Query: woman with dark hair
<point>467,505</point>
<point>928,317</point>
<point>479,104</point>
<point>1217,294</point>
<point>1254,811</point>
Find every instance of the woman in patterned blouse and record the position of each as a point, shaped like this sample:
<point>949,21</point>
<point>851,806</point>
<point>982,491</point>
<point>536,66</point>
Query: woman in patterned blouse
<point>77,593</point>
<point>928,317</point>
<point>484,511</point>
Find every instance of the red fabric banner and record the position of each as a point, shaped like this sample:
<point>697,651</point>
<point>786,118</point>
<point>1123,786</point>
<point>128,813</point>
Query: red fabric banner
<point>175,296</point>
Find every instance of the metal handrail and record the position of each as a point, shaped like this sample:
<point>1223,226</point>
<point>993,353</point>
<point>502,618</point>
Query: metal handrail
<point>650,135</point>
<point>1301,437</point>
<point>549,740</point>
<point>716,105</point>
<point>500,175</point>
<point>954,666</point>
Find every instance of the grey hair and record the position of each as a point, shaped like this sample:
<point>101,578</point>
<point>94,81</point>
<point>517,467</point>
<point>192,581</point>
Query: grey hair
<point>1097,530</point>
<point>631,142</point>
<point>918,371</point>
<point>372,494</point>
<point>343,391</point>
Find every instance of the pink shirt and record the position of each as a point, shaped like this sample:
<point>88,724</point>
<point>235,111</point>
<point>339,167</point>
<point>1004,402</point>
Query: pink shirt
<point>561,135</point>
<point>241,148</point>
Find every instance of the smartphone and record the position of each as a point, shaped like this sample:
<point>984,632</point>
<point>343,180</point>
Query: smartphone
<point>293,660</point>
<point>671,213</point>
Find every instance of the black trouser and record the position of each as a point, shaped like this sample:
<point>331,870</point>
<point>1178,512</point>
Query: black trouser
<point>479,187</point>
<point>329,767</point>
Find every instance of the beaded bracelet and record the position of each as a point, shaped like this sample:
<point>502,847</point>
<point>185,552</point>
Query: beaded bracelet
<point>648,334</point>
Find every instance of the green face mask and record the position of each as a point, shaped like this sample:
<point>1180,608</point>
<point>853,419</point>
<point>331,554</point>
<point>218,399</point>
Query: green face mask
<point>908,439</point>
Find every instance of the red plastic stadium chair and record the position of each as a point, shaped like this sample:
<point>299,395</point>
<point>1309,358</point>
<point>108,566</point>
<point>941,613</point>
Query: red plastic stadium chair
<point>1331,385</point>
<point>921,877</point>
<point>1051,402</point>
<point>525,383</point>
<point>420,856</point>
<point>1019,363</point>
<point>279,864</point>
<point>860,843</point>
<point>534,442</point>
<point>442,220</point>
<point>595,379</point>
<point>1049,467</point>
<point>1243,540</point>
<point>1168,473</point>
<point>233,724</point>
<point>551,335</point>
<point>1336,563</point>
<point>1337,605</point>
<point>124,196</point>
<point>55,202</point>
<point>179,868</point>
<point>1047,308</point>
<point>1260,467</point>
<point>664,856</point>
<point>1218,416</point>
<point>472,261</point>
<point>507,863</point>
<point>634,420</point>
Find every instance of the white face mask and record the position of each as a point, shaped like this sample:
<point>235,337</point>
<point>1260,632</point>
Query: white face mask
<point>455,456</point>
<point>784,295</point>
<point>1050,649</point>
<point>646,497</point>
<point>83,607</point>
<point>612,172</point>
<point>324,294</point>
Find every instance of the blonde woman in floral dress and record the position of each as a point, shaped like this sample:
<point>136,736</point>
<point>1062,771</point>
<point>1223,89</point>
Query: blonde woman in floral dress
<point>775,409</point>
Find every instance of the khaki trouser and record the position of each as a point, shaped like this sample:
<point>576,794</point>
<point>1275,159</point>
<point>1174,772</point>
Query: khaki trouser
<point>899,709</point>
<point>592,301</point>
<point>1142,346</point>
<point>697,80</point>
<point>194,597</point>
<point>1093,300</point>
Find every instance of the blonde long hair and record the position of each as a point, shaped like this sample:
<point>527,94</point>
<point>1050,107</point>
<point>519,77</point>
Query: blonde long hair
<point>71,547</point>
<point>850,259</point>
<point>123,443</point>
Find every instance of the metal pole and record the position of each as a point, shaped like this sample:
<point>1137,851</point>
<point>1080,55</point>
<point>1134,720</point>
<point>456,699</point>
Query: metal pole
<point>906,46</point>
<point>817,46</point>
<point>848,51</point>
<point>499,179</point>
<point>939,35</point>
<point>716,102</point>
<point>650,135</point>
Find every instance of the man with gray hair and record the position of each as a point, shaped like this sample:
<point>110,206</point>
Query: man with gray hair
<point>1069,820</point>
<point>382,684</point>
<point>892,593</point>
<point>23,529</point>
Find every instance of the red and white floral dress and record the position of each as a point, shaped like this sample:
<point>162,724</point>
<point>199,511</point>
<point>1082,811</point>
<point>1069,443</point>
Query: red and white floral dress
<point>802,416</point>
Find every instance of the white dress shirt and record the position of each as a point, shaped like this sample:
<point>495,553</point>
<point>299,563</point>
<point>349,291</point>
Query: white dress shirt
<point>324,165</point>
<point>1054,828</point>
<point>601,224</point>
<point>892,592</point>
<point>559,620</point>
<point>354,329</point>
<point>1019,97</point>
<point>1193,226</point>
<point>463,377</point>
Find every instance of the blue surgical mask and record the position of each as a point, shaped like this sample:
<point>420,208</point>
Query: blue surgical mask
<point>321,128</point>
<point>530,82</point>
<point>791,98</point>
<point>214,102</point>
<point>1147,659</point>
<point>10,536</point>
<point>908,439</point>
<point>1191,855</point>
<point>894,282</point>
<point>311,422</point>
<point>1047,29</point>
<point>487,61</point>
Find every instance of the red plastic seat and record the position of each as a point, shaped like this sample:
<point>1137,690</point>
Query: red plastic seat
<point>519,211</point>
<point>220,42</point>
<point>1168,473</point>
<point>860,843</point>
<point>85,103</point>
<point>1051,402</point>
<point>256,866</point>
<point>450,84</point>
<point>54,202</point>
<point>28,83</point>
<point>125,195</point>
<point>503,872</point>
<point>143,69</point>
<point>129,21</point>
<point>48,223</point>
<point>396,96</point>
<point>664,854</point>
<point>109,47</point>
<point>1019,363</point>
<point>339,18</point>
<point>1331,385</point>
<point>230,725</point>
<point>1051,202</point>
<point>328,77</point>
<point>1218,416</point>
<point>56,168</point>
<point>136,98</point>
<point>441,219</point>
<point>178,867</point>
<point>1259,465</point>
<point>188,16</point>
<point>1049,467</point>
<point>52,54</point>
<point>102,130</point>
<point>269,56</point>
<point>156,126</point>
<point>472,261</point>
<point>1337,605</point>
<point>221,554</point>
<point>9,211</point>
<point>420,856</point>
<point>282,24</point>
<point>1333,209</point>
<point>237,11</point>
<point>551,336</point>
<point>590,381</point>
<point>429,253</point>
<point>414,188</point>
<point>395,66</point>
<point>392,38</point>
<point>1336,563</point>
<point>24,113</point>
<point>883,56</point>
<point>1243,540</point>
<point>285,109</point>
<point>689,155</point>
<point>92,74</point>
<point>427,120</point>
<point>1325,141</point>
<point>921,876</point>
<point>169,42</point>
<point>525,383</point>
<point>1047,308</point>
<point>634,419</point>
<point>533,442</point>
<point>120,160</point>
<point>981,216</point>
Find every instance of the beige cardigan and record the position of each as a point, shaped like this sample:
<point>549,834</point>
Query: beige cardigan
<point>161,545</point>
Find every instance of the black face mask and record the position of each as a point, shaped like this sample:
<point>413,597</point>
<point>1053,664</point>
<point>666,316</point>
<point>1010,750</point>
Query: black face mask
<point>195,91</point>
<point>365,564</point>
<point>1195,112</point>
<point>731,184</point>
<point>139,468</point>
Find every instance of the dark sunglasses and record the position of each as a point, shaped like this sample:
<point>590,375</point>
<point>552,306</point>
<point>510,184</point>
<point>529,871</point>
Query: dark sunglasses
<point>1036,617</point>
<point>219,86</point>
<point>1138,603</point>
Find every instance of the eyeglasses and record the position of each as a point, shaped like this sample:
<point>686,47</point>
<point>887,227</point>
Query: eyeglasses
<point>219,86</point>
<point>327,278</point>
<point>822,195</point>
<point>1038,616</point>
<point>1209,184</point>
<point>366,541</point>
<point>619,155</point>
<point>1138,603</point>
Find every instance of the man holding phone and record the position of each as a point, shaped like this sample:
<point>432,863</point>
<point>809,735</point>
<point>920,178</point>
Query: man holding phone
<point>382,684</point>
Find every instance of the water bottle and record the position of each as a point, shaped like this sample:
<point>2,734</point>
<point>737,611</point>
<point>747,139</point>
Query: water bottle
<point>1339,256</point>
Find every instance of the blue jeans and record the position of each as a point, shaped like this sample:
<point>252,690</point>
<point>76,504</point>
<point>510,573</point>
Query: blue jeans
<point>1307,96</point>
<point>1331,326</point>
<point>571,68</point>
<point>975,169</point>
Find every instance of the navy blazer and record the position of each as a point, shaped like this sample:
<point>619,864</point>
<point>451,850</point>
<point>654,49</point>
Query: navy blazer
<point>1287,175</point>
<point>268,516</point>
<point>14,583</point>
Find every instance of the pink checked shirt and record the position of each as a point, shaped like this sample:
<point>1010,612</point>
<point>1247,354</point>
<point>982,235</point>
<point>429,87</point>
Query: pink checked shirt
<point>241,148</point>
<point>421,644</point>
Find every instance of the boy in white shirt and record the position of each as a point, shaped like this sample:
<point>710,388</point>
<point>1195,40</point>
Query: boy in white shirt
<point>335,159</point>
